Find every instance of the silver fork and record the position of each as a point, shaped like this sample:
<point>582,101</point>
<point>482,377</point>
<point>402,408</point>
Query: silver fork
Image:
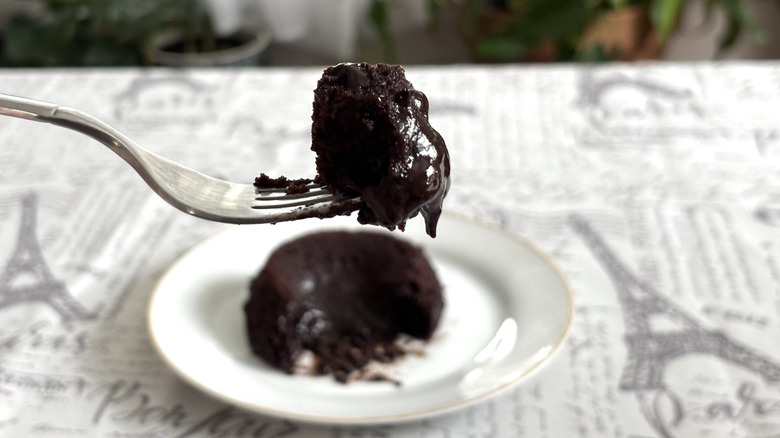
<point>186,189</point>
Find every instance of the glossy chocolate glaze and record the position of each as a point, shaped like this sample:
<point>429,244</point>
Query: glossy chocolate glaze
<point>345,296</point>
<point>372,138</point>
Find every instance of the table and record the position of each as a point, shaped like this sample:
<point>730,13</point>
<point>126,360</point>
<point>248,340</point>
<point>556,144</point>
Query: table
<point>655,187</point>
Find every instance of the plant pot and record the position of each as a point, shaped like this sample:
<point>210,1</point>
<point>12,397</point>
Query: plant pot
<point>247,47</point>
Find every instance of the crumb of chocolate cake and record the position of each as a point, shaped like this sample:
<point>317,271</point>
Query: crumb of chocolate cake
<point>264,181</point>
<point>291,186</point>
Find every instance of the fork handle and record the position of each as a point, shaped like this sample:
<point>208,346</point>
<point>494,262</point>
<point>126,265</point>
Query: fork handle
<point>24,108</point>
<point>45,112</point>
<point>40,111</point>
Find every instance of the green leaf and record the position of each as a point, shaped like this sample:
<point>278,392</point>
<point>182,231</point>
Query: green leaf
<point>500,48</point>
<point>596,53</point>
<point>738,11</point>
<point>472,12</point>
<point>733,29</point>
<point>434,9</point>
<point>380,17</point>
<point>618,3</point>
<point>665,14</point>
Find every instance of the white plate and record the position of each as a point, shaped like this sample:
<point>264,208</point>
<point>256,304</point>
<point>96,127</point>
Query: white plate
<point>507,309</point>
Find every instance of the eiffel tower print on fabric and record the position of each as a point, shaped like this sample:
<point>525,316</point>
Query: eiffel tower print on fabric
<point>649,350</point>
<point>27,278</point>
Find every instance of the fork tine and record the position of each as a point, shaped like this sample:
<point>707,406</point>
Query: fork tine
<point>267,199</point>
<point>281,190</point>
<point>306,202</point>
<point>281,194</point>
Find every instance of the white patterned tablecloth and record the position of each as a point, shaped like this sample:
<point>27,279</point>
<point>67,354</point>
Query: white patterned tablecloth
<point>655,187</point>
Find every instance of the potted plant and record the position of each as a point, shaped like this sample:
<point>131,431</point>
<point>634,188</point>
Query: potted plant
<point>594,30</point>
<point>573,30</point>
<point>111,33</point>
<point>79,33</point>
<point>192,41</point>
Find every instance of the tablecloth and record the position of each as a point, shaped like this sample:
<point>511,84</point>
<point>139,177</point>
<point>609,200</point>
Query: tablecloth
<point>654,187</point>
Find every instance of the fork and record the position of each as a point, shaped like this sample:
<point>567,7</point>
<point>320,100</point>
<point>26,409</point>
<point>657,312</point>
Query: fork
<point>187,189</point>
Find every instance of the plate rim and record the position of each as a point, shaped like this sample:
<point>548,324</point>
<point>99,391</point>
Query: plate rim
<point>371,419</point>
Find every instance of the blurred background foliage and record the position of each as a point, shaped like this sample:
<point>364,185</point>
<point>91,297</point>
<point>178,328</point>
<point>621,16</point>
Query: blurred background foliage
<point>121,32</point>
<point>96,32</point>
<point>567,30</point>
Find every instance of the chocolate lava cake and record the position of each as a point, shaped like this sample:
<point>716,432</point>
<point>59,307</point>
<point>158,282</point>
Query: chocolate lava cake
<point>344,296</point>
<point>372,138</point>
